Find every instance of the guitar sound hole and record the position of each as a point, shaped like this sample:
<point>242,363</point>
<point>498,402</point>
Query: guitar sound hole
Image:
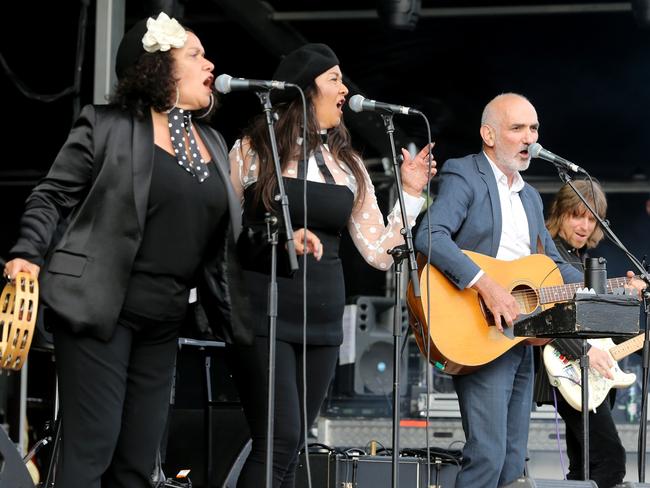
<point>525,296</point>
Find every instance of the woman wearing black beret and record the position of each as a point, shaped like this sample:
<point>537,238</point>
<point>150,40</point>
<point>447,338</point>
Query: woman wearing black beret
<point>339,195</point>
<point>140,197</point>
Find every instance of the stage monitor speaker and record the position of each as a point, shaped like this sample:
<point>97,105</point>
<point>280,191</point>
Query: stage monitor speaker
<point>368,326</point>
<point>537,483</point>
<point>373,369</point>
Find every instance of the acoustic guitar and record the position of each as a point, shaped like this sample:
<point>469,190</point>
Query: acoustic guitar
<point>565,374</point>
<point>456,324</point>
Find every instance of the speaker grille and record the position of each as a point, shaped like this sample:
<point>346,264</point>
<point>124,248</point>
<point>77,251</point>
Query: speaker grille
<point>374,345</point>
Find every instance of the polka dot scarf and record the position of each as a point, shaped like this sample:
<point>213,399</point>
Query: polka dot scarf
<point>180,126</point>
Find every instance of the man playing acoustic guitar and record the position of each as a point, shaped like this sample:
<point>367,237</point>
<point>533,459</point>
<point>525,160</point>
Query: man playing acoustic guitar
<point>484,205</point>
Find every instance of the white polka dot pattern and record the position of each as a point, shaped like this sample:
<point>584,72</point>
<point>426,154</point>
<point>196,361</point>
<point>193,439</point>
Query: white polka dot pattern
<point>369,232</point>
<point>179,120</point>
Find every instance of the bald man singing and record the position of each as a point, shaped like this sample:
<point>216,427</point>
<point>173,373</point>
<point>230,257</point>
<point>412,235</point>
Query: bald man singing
<point>484,205</point>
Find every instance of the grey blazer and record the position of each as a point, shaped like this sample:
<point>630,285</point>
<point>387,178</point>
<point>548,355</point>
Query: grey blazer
<point>466,214</point>
<point>99,186</point>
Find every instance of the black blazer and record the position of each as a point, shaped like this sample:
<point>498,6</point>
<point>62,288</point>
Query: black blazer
<point>99,187</point>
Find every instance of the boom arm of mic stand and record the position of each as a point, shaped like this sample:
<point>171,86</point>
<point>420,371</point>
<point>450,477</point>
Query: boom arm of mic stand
<point>264,97</point>
<point>406,230</point>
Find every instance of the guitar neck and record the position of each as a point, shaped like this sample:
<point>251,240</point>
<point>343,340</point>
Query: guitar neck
<point>626,348</point>
<point>562,293</point>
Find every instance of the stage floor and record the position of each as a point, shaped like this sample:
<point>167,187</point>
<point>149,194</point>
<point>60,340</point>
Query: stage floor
<point>546,465</point>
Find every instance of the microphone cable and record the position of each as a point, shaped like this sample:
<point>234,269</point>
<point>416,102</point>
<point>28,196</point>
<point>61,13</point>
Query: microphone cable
<point>428,302</point>
<point>75,88</point>
<point>304,286</point>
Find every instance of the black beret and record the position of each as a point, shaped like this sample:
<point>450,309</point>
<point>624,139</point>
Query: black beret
<point>301,67</point>
<point>130,49</point>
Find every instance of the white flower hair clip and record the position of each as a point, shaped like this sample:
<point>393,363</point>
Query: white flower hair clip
<point>163,33</point>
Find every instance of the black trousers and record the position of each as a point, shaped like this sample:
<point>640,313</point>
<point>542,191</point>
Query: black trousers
<point>114,401</point>
<point>249,365</point>
<point>606,452</point>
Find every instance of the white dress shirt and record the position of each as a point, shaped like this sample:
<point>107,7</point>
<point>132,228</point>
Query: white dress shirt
<point>515,237</point>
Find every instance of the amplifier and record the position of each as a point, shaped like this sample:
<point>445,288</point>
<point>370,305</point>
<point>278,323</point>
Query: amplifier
<point>336,470</point>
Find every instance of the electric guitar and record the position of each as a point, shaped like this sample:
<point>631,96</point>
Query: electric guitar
<point>460,330</point>
<point>565,374</point>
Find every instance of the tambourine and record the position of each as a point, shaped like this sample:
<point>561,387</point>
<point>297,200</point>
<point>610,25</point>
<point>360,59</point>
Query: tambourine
<point>18,309</point>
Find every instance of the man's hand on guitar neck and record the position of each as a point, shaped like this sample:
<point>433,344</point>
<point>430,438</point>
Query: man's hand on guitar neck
<point>635,284</point>
<point>498,301</point>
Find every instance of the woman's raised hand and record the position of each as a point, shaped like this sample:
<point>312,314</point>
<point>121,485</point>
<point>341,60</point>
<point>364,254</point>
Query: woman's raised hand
<point>415,171</point>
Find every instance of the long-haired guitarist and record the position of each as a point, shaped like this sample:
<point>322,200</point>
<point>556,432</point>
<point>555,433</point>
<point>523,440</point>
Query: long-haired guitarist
<point>484,205</point>
<point>574,231</point>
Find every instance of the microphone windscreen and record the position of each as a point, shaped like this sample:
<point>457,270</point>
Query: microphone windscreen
<point>222,83</point>
<point>534,149</point>
<point>356,103</point>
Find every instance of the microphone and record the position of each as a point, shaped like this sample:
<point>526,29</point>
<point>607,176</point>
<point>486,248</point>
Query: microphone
<point>226,83</point>
<point>537,151</point>
<point>360,104</point>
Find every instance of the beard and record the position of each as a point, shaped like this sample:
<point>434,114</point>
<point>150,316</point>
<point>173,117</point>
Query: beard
<point>512,163</point>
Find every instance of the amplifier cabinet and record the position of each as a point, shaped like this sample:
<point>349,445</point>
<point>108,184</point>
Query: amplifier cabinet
<point>335,470</point>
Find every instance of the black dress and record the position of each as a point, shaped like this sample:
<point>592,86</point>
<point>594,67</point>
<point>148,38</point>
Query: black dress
<point>331,207</point>
<point>328,211</point>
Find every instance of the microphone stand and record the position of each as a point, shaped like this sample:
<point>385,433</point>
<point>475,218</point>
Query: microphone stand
<point>604,225</point>
<point>399,253</point>
<point>272,239</point>
<point>643,426</point>
<point>584,378</point>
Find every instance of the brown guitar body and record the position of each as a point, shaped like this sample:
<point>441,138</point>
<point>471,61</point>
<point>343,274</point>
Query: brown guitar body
<point>460,332</point>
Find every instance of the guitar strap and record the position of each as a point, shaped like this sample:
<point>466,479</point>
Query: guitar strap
<point>540,246</point>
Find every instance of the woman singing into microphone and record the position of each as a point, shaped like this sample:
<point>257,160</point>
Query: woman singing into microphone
<point>339,195</point>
